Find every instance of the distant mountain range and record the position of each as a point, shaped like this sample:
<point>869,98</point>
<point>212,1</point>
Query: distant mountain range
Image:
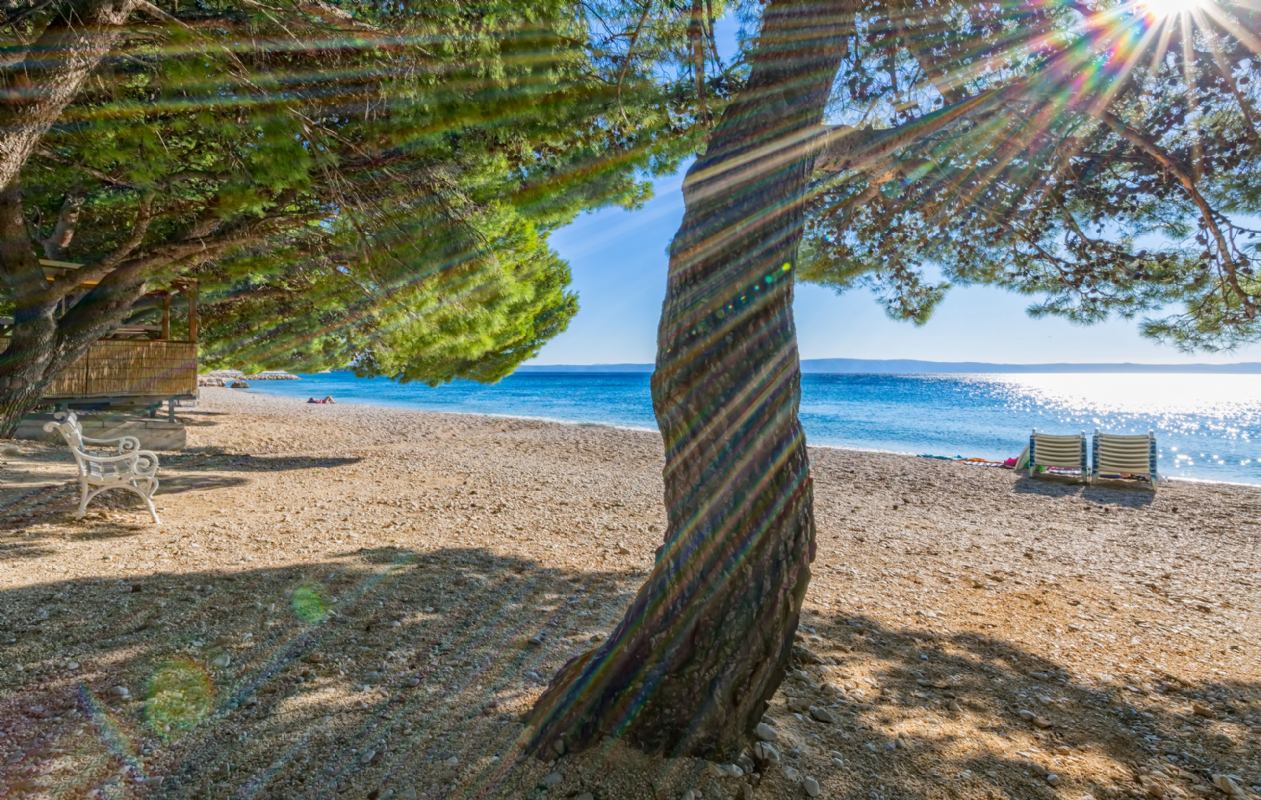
<point>907,366</point>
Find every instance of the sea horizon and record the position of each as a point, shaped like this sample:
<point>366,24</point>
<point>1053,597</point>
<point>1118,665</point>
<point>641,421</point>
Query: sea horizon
<point>914,366</point>
<point>1206,430</point>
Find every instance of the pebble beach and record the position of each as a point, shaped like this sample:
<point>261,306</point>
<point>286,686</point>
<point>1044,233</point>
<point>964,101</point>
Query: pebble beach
<point>349,601</point>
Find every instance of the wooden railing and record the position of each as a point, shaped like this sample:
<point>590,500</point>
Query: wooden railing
<point>128,368</point>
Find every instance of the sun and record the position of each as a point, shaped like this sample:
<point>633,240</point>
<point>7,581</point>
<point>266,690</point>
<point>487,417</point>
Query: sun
<point>1164,9</point>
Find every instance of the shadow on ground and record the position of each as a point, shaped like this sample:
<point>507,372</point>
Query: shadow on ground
<point>209,458</point>
<point>193,418</point>
<point>929,698</point>
<point>371,671</point>
<point>38,487</point>
<point>393,674</point>
<point>1114,494</point>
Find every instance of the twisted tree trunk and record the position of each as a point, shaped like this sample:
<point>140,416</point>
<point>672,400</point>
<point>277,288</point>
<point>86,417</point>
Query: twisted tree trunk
<point>692,665</point>
<point>39,86</point>
<point>42,345</point>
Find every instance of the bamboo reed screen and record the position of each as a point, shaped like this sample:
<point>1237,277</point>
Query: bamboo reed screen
<point>119,368</point>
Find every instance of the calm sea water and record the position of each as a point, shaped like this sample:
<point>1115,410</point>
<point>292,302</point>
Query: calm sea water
<point>1208,426</point>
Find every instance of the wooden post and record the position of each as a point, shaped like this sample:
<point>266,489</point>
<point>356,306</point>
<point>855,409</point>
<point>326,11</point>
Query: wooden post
<point>166,316</point>
<point>194,321</point>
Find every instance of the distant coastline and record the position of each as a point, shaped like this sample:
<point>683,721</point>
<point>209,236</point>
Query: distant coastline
<point>907,366</point>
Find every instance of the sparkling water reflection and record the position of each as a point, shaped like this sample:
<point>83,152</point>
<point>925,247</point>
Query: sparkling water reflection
<point>1208,426</point>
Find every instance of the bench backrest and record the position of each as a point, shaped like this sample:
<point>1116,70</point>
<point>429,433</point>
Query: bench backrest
<point>72,432</point>
<point>1135,455</point>
<point>1066,452</point>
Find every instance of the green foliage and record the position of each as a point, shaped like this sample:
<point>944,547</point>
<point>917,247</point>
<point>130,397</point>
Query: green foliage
<point>1110,164</point>
<point>388,179</point>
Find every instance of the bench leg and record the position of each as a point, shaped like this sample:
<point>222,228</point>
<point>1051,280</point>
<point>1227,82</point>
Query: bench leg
<point>146,491</point>
<point>84,497</point>
<point>153,512</point>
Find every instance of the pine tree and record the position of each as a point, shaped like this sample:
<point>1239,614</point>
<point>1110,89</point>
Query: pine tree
<point>391,173</point>
<point>1104,157</point>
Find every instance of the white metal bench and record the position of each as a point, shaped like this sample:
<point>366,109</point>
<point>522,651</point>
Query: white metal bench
<point>128,468</point>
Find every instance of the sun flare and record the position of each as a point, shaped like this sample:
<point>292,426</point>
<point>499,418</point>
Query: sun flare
<point>1164,9</point>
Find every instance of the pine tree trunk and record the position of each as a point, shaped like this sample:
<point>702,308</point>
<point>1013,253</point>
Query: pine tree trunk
<point>705,644</point>
<point>43,344</point>
<point>38,88</point>
<point>19,395</point>
<point>27,364</point>
<point>25,359</point>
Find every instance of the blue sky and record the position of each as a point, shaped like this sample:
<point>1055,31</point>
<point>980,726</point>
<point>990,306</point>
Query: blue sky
<point>618,259</point>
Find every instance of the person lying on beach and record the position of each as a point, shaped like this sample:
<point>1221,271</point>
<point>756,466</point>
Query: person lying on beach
<point>328,400</point>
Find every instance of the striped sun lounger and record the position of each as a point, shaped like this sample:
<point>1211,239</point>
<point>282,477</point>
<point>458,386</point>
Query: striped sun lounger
<point>1116,456</point>
<point>1058,455</point>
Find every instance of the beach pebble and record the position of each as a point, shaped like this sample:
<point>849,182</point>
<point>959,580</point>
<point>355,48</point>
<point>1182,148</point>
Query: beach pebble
<point>121,692</point>
<point>811,787</point>
<point>726,770</point>
<point>412,680</point>
<point>792,774</point>
<point>453,761</point>
<point>766,733</point>
<point>805,655</point>
<point>821,714</point>
<point>766,753</point>
<point>1040,722</point>
<point>1227,785</point>
<point>221,661</point>
<point>1052,778</point>
<point>552,779</point>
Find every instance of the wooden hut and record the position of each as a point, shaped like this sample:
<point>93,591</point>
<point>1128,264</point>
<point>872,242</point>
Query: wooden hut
<point>149,360</point>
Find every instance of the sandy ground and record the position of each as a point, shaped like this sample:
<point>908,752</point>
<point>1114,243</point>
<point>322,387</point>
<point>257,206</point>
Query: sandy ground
<point>342,603</point>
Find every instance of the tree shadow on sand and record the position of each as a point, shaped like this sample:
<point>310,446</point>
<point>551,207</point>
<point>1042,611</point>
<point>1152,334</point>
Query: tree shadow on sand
<point>210,458</point>
<point>388,673</point>
<point>385,668</point>
<point>923,713</point>
<point>1112,494</point>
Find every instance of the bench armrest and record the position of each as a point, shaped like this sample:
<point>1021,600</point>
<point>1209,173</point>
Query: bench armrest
<point>140,462</point>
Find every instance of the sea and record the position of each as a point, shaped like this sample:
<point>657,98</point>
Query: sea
<point>1208,426</point>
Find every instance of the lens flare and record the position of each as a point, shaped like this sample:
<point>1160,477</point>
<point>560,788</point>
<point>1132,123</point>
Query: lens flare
<point>1164,9</point>
<point>309,604</point>
<point>180,695</point>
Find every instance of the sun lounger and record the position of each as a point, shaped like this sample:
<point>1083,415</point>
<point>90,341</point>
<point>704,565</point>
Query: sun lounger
<point>1058,455</point>
<point>1116,456</point>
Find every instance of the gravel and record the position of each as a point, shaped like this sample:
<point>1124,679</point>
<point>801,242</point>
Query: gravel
<point>1126,625</point>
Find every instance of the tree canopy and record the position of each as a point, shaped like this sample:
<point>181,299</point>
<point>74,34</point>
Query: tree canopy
<point>359,183</point>
<point>1102,156</point>
<point>1105,158</point>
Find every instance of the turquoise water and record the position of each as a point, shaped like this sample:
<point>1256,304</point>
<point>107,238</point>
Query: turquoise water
<point>1208,426</point>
